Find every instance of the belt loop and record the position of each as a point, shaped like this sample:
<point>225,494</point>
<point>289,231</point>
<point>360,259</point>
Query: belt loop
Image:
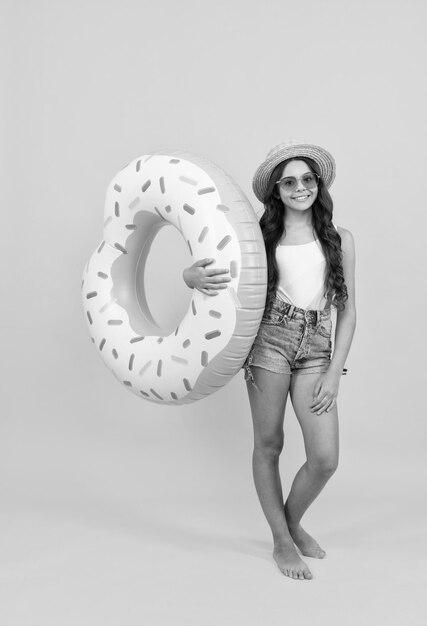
<point>291,311</point>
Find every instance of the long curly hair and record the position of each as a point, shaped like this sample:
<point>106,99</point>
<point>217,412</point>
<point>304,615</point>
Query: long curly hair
<point>272,227</point>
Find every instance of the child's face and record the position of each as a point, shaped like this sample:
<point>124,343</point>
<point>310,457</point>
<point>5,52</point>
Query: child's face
<point>301,196</point>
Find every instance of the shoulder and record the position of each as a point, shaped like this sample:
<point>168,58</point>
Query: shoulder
<point>347,239</point>
<point>347,246</point>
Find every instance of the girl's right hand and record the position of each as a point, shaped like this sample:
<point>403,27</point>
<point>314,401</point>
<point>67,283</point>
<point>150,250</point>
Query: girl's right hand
<point>205,280</point>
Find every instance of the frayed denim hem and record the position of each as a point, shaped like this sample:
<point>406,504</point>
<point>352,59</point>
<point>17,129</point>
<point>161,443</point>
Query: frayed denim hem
<point>248,372</point>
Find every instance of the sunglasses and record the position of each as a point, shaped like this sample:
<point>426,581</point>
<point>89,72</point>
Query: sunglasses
<point>289,183</point>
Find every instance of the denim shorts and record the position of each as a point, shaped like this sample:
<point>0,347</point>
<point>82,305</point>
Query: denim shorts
<point>291,340</point>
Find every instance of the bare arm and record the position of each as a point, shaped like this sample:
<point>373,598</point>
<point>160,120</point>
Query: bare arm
<point>346,319</point>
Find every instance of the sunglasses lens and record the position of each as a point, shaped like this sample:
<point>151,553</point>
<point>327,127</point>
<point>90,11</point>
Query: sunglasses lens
<point>309,181</point>
<point>288,183</point>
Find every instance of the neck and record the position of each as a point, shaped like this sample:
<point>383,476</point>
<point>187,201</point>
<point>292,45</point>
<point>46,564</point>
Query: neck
<point>297,220</point>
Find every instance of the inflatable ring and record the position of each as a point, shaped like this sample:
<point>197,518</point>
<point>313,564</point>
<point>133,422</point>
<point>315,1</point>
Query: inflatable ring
<point>217,221</point>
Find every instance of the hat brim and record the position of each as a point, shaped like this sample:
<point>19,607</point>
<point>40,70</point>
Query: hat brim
<point>322,157</point>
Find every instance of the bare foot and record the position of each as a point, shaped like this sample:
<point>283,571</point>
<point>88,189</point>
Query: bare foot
<point>305,542</point>
<point>290,564</point>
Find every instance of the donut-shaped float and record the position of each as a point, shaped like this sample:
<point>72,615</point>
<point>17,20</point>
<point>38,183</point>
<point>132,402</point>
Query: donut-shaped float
<point>211,343</point>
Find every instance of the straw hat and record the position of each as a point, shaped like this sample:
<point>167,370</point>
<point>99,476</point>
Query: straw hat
<point>288,150</point>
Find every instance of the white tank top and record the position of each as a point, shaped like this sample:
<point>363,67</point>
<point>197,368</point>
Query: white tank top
<point>302,270</point>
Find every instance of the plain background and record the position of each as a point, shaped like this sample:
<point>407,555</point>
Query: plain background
<point>115,510</point>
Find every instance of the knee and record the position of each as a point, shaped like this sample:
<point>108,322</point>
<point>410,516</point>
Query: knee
<point>324,465</point>
<point>269,447</point>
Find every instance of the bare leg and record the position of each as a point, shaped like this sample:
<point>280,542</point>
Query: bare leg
<point>268,404</point>
<point>320,434</point>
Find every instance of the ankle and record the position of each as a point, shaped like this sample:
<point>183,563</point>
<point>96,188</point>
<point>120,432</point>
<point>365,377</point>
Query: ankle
<point>292,523</point>
<point>283,543</point>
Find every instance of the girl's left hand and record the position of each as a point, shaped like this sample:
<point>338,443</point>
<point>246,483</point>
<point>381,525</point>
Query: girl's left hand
<point>325,392</point>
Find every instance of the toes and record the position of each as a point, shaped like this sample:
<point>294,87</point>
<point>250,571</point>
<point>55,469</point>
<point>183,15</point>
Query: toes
<point>296,574</point>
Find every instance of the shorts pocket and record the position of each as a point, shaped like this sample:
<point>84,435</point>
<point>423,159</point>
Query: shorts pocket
<point>325,327</point>
<point>272,317</point>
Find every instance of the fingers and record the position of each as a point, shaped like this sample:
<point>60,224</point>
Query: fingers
<point>331,406</point>
<point>215,280</point>
<point>214,272</point>
<point>211,279</point>
<point>208,292</point>
<point>211,290</point>
<point>326,403</point>
<point>216,286</point>
<point>203,262</point>
<point>316,404</point>
<point>211,271</point>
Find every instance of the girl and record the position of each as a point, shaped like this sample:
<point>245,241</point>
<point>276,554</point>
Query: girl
<point>310,270</point>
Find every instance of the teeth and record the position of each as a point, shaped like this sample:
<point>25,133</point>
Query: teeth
<point>301,198</point>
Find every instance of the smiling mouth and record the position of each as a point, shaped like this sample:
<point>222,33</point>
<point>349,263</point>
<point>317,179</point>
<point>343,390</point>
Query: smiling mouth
<point>301,198</point>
